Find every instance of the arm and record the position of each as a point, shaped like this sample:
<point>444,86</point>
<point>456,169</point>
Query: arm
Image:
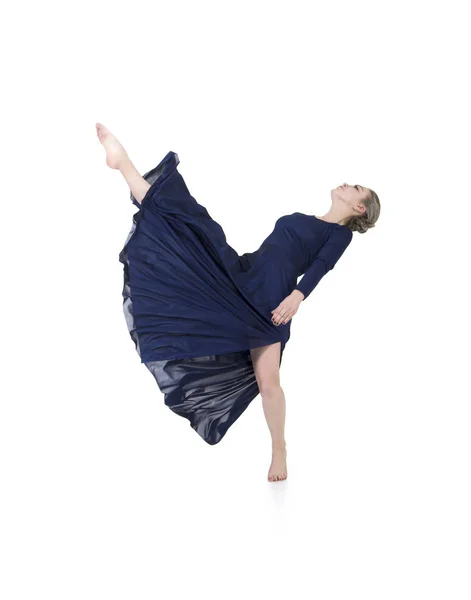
<point>325,261</point>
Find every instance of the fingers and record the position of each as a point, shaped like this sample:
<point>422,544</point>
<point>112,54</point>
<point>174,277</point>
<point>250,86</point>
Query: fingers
<point>281,317</point>
<point>280,323</point>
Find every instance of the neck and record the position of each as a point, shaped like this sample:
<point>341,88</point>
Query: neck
<point>334,218</point>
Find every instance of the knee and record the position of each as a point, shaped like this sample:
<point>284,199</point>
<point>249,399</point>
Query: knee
<point>269,388</point>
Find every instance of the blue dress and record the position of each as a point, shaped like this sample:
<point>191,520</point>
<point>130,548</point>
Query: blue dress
<point>194,308</point>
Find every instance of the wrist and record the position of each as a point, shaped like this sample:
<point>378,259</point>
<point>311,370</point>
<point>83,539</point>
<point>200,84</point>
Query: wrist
<point>298,294</point>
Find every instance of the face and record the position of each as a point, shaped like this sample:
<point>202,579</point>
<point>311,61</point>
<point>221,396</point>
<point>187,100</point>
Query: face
<point>351,195</point>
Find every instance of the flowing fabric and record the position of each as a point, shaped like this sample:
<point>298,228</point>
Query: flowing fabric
<point>194,307</point>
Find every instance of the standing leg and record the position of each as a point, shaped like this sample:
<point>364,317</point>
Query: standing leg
<point>117,158</point>
<point>266,361</point>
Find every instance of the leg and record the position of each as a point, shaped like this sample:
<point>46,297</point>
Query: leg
<point>117,158</point>
<point>266,361</point>
<point>137,184</point>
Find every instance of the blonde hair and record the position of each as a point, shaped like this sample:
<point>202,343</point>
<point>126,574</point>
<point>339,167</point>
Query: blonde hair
<point>365,221</point>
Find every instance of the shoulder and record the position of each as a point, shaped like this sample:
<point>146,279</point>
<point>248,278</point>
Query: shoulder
<point>343,235</point>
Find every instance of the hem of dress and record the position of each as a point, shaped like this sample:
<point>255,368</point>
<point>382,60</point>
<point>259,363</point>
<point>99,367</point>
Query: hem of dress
<point>158,175</point>
<point>192,355</point>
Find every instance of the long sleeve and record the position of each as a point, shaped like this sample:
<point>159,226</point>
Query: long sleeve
<point>325,260</point>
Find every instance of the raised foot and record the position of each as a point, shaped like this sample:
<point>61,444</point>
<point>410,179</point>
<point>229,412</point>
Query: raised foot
<point>278,470</point>
<point>115,153</point>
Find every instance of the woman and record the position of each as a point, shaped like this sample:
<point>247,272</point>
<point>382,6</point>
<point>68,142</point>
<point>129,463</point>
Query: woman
<point>210,325</point>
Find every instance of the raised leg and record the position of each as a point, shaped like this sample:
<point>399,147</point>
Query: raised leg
<point>117,158</point>
<point>266,360</point>
<point>137,184</point>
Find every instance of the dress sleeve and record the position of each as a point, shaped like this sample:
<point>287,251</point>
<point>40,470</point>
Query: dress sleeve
<point>325,260</point>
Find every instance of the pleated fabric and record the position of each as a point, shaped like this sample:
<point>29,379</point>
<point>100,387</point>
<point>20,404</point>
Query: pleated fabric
<point>194,308</point>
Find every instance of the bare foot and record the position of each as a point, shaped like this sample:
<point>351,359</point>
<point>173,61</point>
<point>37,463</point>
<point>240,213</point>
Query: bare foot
<point>278,470</point>
<point>115,153</point>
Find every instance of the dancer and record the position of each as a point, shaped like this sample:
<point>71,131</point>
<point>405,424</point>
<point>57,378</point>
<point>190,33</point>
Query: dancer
<point>209,324</point>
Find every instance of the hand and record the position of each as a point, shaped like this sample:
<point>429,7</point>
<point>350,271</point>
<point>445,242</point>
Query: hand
<point>286,309</point>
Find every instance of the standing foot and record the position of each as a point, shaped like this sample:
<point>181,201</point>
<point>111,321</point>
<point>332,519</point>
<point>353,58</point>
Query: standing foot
<point>116,155</point>
<point>278,470</point>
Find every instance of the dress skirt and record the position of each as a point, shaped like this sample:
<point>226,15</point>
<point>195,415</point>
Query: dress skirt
<point>194,308</point>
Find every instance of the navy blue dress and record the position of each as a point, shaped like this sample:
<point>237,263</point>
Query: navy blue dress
<point>194,308</point>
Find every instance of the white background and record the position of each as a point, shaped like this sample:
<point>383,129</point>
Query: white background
<point>107,494</point>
